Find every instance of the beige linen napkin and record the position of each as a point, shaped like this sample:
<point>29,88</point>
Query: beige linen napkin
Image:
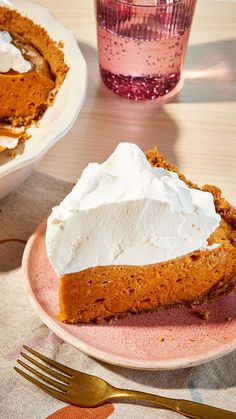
<point>20,212</point>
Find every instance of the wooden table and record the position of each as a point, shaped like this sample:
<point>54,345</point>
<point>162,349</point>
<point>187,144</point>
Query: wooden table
<point>197,130</point>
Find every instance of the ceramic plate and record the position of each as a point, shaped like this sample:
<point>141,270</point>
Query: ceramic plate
<point>59,118</point>
<point>167,339</point>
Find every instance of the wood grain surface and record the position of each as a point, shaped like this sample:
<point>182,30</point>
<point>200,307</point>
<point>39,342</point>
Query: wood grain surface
<point>196,130</point>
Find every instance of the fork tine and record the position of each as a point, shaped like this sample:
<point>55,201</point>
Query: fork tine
<point>55,393</point>
<point>57,365</point>
<point>43,377</point>
<point>49,371</point>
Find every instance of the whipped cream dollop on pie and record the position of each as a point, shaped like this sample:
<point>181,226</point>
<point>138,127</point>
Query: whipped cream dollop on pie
<point>127,212</point>
<point>11,57</point>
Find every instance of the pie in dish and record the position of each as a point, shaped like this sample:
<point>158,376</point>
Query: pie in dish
<point>32,69</point>
<point>135,235</point>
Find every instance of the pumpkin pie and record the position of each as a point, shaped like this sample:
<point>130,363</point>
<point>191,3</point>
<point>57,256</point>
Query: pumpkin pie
<point>103,291</point>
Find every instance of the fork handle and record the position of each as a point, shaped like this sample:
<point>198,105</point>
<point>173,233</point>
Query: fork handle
<point>185,407</point>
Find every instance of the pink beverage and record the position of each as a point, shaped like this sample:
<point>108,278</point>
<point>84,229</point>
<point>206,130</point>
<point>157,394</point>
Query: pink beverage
<point>141,46</point>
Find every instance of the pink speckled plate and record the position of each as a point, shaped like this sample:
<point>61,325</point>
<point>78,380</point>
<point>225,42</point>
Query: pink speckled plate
<point>167,339</point>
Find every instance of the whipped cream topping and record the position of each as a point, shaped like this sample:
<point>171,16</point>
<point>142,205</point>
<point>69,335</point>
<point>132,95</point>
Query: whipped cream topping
<point>9,136</point>
<point>8,142</point>
<point>126,212</point>
<point>11,57</point>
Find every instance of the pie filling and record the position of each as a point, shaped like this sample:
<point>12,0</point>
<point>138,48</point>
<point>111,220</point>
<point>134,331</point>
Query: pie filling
<point>10,136</point>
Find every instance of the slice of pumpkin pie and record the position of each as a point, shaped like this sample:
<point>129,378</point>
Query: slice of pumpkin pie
<point>135,235</point>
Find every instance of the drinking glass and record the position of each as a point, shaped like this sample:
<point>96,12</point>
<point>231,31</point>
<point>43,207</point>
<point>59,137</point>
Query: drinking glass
<point>142,45</point>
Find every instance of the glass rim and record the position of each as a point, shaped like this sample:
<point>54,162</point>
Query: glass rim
<point>127,2</point>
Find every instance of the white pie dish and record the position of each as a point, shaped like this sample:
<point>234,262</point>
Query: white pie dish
<point>55,123</point>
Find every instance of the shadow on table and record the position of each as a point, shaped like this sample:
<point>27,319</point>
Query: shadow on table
<point>148,124</point>
<point>210,73</point>
<point>212,375</point>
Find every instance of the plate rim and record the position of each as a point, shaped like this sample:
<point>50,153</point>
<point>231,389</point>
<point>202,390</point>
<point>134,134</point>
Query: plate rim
<point>27,8</point>
<point>54,325</point>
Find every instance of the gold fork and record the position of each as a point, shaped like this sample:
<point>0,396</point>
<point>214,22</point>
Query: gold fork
<point>75,387</point>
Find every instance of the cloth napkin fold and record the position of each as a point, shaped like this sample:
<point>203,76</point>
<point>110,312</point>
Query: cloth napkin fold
<point>20,212</point>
